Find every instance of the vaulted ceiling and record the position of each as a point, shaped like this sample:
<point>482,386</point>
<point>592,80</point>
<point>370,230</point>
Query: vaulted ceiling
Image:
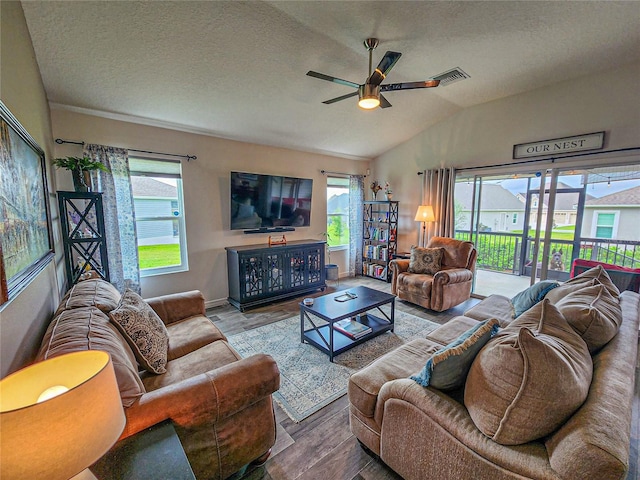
<point>237,69</point>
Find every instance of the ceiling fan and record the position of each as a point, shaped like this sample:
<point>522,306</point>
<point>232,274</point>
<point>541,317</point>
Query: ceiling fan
<point>370,92</point>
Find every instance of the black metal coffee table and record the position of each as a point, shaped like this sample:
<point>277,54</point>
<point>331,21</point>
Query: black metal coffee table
<point>333,342</point>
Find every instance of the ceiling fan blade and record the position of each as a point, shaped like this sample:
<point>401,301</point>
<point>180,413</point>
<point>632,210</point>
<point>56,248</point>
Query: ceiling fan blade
<point>384,67</point>
<point>384,103</point>
<point>390,87</point>
<point>343,97</point>
<point>322,76</point>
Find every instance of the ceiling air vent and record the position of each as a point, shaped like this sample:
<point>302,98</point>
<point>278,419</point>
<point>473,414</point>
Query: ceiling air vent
<point>451,76</point>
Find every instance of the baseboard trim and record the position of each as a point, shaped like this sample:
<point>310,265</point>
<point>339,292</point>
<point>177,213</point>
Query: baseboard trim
<point>220,302</point>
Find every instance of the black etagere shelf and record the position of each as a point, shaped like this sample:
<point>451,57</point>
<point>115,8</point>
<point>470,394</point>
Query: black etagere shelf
<point>380,230</point>
<point>83,236</point>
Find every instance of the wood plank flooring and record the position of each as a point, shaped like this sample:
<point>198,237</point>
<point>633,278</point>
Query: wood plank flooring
<point>322,446</point>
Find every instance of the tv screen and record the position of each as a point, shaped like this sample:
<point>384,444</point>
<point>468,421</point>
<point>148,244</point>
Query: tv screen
<point>269,201</point>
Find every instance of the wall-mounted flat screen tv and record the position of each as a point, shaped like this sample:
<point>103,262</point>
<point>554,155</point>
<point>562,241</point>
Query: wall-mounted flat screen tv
<point>269,201</point>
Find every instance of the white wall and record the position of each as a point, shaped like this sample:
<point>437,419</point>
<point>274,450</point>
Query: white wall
<point>206,191</point>
<point>24,318</point>
<point>485,134</point>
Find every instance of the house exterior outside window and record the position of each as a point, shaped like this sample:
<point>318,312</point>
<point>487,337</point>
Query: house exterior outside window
<point>337,212</point>
<point>160,221</point>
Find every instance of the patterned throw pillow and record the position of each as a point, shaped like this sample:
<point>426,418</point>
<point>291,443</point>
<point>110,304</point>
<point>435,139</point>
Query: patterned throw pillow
<point>144,331</point>
<point>447,368</point>
<point>426,260</point>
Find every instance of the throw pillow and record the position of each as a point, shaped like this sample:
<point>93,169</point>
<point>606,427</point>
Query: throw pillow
<point>447,368</point>
<point>144,331</point>
<point>529,379</point>
<point>526,299</point>
<point>593,313</point>
<point>425,260</point>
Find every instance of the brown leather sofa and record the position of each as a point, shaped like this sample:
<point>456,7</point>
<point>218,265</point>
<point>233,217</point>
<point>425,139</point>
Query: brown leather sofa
<point>448,287</point>
<point>219,402</point>
<point>422,432</point>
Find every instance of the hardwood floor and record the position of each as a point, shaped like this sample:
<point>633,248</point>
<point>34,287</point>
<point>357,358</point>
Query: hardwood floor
<point>322,446</point>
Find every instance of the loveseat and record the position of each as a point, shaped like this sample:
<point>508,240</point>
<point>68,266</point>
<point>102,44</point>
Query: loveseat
<point>485,429</point>
<point>219,403</point>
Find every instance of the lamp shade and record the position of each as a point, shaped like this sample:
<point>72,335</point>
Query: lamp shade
<point>57,437</point>
<point>425,214</point>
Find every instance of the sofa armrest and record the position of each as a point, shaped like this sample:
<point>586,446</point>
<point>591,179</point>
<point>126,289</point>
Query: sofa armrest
<point>177,306</point>
<point>208,397</point>
<point>397,266</point>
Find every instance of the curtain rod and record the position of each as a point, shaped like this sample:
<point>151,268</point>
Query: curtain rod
<point>552,159</point>
<point>59,141</point>
<point>325,172</point>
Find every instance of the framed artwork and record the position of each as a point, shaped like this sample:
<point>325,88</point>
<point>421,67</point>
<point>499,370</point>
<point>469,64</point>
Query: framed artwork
<point>26,244</point>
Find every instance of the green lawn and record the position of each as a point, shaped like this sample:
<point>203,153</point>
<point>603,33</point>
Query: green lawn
<point>154,256</point>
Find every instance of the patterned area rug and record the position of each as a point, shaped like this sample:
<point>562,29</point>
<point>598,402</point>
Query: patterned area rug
<point>308,381</point>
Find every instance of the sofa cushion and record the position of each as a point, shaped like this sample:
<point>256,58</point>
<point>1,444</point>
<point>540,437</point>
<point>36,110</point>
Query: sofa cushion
<point>594,313</point>
<point>529,378</point>
<point>90,293</point>
<point>447,333</point>
<point>402,362</point>
<point>87,328</point>
<point>425,260</point>
<point>527,298</point>
<point>494,306</point>
<point>447,368</point>
<point>207,358</point>
<point>190,334</point>
<point>143,329</point>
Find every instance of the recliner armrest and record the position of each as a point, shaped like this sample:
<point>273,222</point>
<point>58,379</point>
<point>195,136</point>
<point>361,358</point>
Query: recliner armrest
<point>452,275</point>
<point>208,397</point>
<point>178,306</point>
<point>397,266</point>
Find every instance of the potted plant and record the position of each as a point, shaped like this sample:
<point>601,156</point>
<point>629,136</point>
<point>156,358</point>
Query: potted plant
<point>388,193</point>
<point>80,168</point>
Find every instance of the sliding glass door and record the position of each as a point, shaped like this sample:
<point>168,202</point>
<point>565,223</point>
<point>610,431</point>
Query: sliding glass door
<point>525,233</point>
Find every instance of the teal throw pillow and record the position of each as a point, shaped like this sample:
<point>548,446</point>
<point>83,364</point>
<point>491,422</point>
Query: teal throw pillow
<point>526,299</point>
<point>447,368</point>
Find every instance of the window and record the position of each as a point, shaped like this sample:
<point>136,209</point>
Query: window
<point>604,224</point>
<point>159,209</point>
<point>515,218</point>
<point>337,211</point>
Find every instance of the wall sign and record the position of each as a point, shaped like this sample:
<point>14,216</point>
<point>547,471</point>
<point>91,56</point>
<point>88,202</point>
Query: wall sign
<point>555,146</point>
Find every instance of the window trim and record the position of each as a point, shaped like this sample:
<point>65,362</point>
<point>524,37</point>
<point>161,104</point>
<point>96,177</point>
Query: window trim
<point>614,227</point>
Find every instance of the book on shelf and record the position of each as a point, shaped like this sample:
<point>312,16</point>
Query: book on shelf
<point>352,328</point>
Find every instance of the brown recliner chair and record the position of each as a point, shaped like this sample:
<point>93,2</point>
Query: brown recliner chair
<point>448,287</point>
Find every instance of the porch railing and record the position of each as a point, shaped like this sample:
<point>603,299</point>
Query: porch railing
<point>501,252</point>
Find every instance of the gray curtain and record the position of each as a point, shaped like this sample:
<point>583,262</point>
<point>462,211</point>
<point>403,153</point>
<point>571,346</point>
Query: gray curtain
<point>119,217</point>
<point>439,186</point>
<point>356,204</point>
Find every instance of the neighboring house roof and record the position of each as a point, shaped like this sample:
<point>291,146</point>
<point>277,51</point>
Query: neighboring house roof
<point>149,187</point>
<point>630,196</point>
<point>494,197</point>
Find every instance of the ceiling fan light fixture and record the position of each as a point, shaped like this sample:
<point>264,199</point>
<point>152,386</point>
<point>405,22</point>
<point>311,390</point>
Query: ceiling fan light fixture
<point>369,96</point>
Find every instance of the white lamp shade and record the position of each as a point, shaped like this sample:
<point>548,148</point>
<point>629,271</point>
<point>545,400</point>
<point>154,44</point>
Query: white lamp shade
<point>425,214</point>
<point>59,437</point>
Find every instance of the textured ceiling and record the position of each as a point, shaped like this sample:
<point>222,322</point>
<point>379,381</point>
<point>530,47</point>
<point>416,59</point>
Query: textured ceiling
<point>237,69</point>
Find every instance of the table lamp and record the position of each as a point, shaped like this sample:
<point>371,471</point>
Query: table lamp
<point>424,215</point>
<point>58,417</point>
